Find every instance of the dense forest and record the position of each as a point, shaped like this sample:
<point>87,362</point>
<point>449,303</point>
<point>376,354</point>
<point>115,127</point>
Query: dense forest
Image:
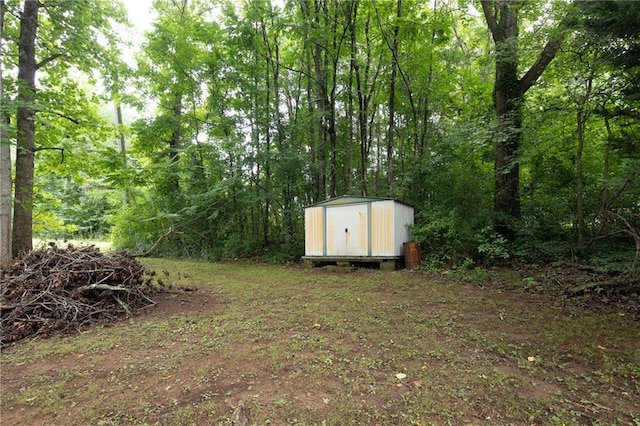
<point>512,127</point>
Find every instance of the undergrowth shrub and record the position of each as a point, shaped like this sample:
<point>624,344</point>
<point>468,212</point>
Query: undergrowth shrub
<point>136,227</point>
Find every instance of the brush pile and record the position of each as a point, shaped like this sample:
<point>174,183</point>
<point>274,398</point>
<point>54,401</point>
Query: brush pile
<point>60,290</point>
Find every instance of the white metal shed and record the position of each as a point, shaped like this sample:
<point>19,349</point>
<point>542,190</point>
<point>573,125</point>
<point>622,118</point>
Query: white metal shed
<point>357,229</point>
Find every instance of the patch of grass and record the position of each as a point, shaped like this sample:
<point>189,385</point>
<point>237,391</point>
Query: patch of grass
<point>310,348</point>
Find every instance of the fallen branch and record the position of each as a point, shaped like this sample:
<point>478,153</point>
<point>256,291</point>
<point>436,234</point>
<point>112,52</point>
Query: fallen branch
<point>155,245</point>
<point>98,286</point>
<point>622,284</point>
<point>124,305</point>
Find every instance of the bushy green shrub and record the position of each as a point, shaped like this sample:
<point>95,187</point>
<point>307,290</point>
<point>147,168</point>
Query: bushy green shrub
<point>446,238</point>
<point>137,227</point>
<point>491,246</point>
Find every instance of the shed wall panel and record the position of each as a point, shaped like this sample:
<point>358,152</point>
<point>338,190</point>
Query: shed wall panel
<point>382,229</point>
<point>347,230</point>
<point>314,231</point>
<point>403,218</point>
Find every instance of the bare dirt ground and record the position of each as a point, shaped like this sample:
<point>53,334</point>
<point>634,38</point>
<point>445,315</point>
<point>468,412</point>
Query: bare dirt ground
<point>274,345</point>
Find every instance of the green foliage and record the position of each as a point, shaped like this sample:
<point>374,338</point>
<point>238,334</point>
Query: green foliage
<point>441,235</point>
<point>80,210</point>
<point>45,222</point>
<point>261,109</point>
<point>492,247</point>
<point>137,228</point>
<point>612,254</point>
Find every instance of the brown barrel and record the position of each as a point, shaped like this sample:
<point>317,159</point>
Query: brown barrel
<point>411,255</point>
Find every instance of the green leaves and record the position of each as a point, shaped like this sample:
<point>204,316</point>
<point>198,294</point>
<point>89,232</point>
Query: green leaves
<point>262,108</point>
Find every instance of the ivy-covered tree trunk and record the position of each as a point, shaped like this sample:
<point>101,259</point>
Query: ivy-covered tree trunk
<point>27,67</point>
<point>508,104</point>
<point>5,167</point>
<point>509,90</point>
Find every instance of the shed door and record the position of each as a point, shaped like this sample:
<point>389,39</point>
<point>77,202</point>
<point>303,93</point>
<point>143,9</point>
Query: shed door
<point>347,230</point>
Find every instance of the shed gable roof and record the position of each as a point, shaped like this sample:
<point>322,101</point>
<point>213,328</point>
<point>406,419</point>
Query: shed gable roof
<point>351,199</point>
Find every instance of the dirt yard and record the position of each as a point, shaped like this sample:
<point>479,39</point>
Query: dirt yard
<point>264,344</point>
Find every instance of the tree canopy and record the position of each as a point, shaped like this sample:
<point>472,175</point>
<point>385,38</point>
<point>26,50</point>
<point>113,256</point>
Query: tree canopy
<point>511,126</point>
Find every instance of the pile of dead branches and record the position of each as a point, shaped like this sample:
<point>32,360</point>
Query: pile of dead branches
<point>60,290</point>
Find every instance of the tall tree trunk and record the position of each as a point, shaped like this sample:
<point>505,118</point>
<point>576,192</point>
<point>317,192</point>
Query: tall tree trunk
<point>581,117</point>
<point>122,146</point>
<point>321,98</point>
<point>282,170</point>
<point>321,109</point>
<point>364,97</point>
<point>422,133</point>
<point>27,67</point>
<point>350,137</point>
<point>606,216</point>
<point>174,145</point>
<point>5,167</point>
<point>325,53</point>
<point>336,45</point>
<point>361,119</point>
<point>256,168</point>
<point>392,100</point>
<point>317,193</point>
<point>605,169</point>
<point>5,189</point>
<point>353,15</point>
<point>508,104</point>
<point>267,161</point>
<point>509,90</point>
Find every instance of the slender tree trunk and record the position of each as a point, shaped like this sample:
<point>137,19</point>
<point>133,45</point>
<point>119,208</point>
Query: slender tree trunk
<point>364,142</point>
<point>174,144</point>
<point>422,134</point>
<point>579,177</point>
<point>282,170</point>
<point>256,212</point>
<point>392,44</point>
<point>267,161</point>
<point>364,97</point>
<point>122,147</point>
<point>322,98</point>
<point>27,67</point>
<point>350,137</point>
<point>325,53</point>
<point>336,45</point>
<point>392,100</point>
<point>353,15</point>
<point>607,217</point>
<point>5,167</point>
<point>605,170</point>
<point>321,109</point>
<point>581,118</point>
<point>5,189</point>
<point>362,128</point>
